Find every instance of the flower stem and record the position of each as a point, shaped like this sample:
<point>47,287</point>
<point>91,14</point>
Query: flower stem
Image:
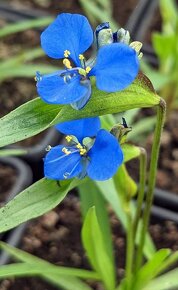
<point>129,250</point>
<point>161,111</point>
<point>143,166</point>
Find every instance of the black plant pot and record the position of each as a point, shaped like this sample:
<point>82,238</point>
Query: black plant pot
<point>23,180</point>
<point>12,14</point>
<point>36,152</point>
<point>139,23</point>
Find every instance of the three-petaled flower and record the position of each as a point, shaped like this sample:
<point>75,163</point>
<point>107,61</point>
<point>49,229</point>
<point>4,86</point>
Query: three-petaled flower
<point>67,38</point>
<point>91,151</point>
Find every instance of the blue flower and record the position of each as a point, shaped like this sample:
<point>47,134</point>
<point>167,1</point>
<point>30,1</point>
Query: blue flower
<point>91,151</point>
<point>67,38</point>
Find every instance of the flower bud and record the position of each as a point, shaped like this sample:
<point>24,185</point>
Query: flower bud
<point>103,34</point>
<point>122,36</point>
<point>120,131</point>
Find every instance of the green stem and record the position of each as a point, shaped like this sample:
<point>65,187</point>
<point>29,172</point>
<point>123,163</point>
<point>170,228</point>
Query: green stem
<point>129,250</point>
<point>161,110</point>
<point>143,166</point>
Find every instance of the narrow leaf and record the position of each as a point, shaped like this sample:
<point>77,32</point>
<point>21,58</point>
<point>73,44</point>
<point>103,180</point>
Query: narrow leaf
<point>150,269</point>
<point>130,152</point>
<point>167,281</point>
<point>90,196</point>
<point>40,266</point>
<point>24,25</point>
<point>34,201</point>
<point>94,245</point>
<point>12,152</point>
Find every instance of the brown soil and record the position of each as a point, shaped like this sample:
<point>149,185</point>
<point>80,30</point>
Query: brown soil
<point>56,238</point>
<point>8,176</point>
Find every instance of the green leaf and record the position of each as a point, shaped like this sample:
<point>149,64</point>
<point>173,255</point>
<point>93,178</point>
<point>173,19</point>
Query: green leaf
<point>90,196</point>
<point>24,25</point>
<point>167,281</point>
<point>12,152</point>
<point>20,58</point>
<point>166,41</point>
<point>27,120</point>
<point>40,266</point>
<point>96,250</point>
<point>54,275</point>
<point>35,116</point>
<point>130,152</point>
<point>26,70</point>
<point>150,269</point>
<point>169,14</point>
<point>34,201</point>
<point>114,192</point>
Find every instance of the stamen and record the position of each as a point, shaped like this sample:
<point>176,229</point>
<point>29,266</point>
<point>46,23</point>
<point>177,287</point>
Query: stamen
<point>67,78</point>
<point>66,151</point>
<point>136,45</point>
<point>66,53</point>
<point>48,148</point>
<point>82,72</point>
<point>38,77</point>
<point>81,57</point>
<point>79,146</point>
<point>67,63</point>
<point>88,69</point>
<point>82,149</point>
<point>66,175</point>
<point>69,138</point>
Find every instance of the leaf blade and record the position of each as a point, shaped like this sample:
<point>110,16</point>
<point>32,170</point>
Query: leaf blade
<point>28,204</point>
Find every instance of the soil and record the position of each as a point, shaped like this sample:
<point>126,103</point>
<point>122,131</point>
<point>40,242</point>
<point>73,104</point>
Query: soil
<point>56,237</point>
<point>8,177</point>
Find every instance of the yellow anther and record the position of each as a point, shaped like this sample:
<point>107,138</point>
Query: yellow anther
<point>79,146</point>
<point>81,57</point>
<point>82,72</point>
<point>68,138</point>
<point>67,63</point>
<point>88,69</point>
<point>66,53</point>
<point>136,45</point>
<point>83,151</point>
<point>66,151</point>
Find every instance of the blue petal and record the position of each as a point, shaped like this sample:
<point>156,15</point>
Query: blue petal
<point>116,67</point>
<point>105,156</point>
<point>82,128</point>
<point>59,166</point>
<point>67,32</point>
<point>54,90</point>
<point>83,101</point>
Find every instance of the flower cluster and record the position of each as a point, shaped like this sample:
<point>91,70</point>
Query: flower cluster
<point>68,37</point>
<point>90,151</point>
